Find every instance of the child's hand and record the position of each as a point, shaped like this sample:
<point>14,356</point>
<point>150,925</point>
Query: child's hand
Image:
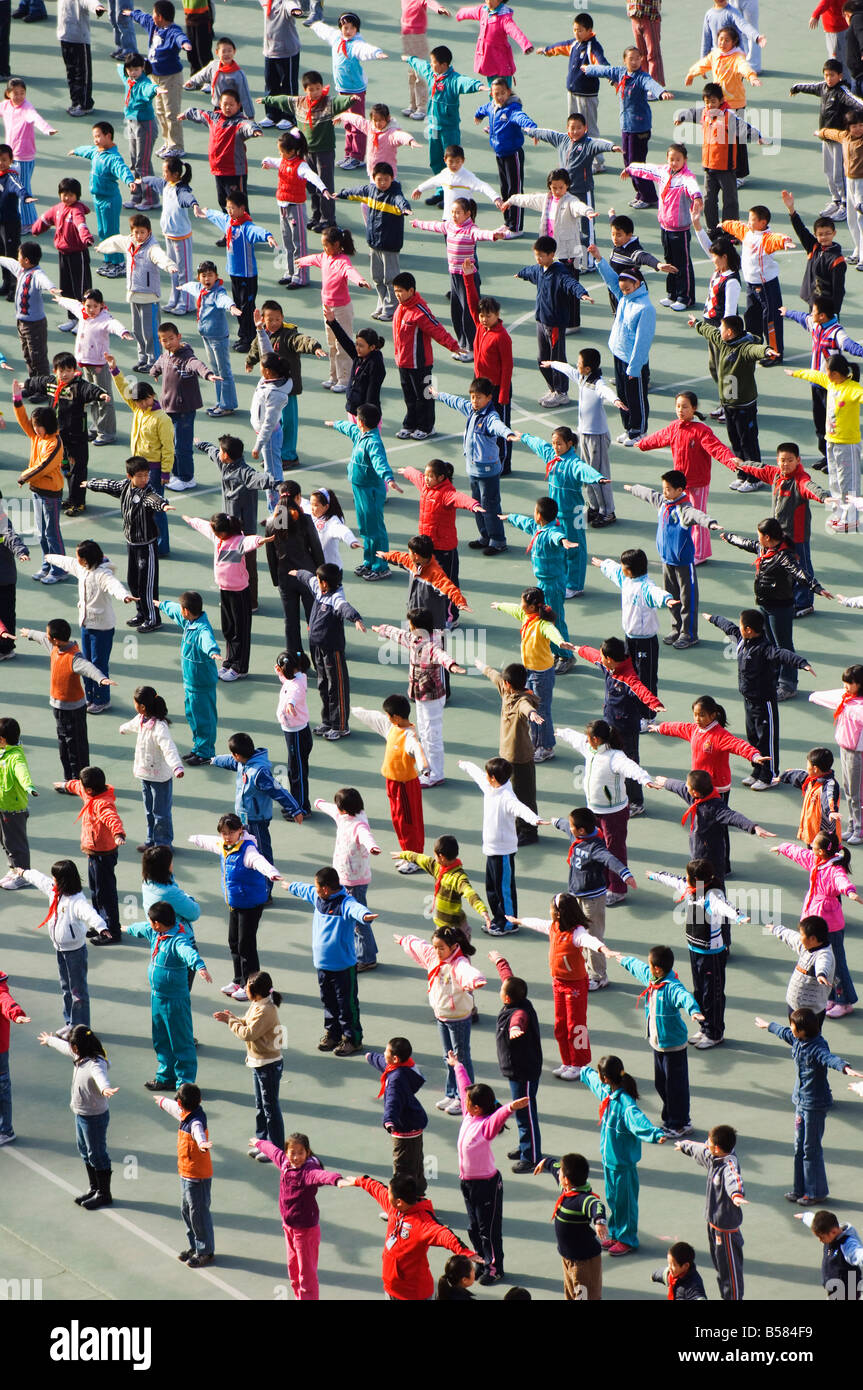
<point>347,1182</point>
<point>222,1015</point>
<point>760,1022</point>
<point>515,920</point>
<point>658,783</point>
<point>520,1103</point>
<point>764,834</point>
<point>198,211</point>
<point>495,956</point>
<point>451,1058</point>
<point>360,625</point>
<point>110,1091</point>
<point>205,975</point>
<point>392,486</point>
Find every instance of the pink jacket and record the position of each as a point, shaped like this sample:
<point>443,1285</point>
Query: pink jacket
<point>336,271</point>
<point>676,193</point>
<point>415,17</point>
<point>381,145</point>
<point>475,1158</point>
<point>71,232</point>
<point>229,555</point>
<point>18,122</point>
<point>460,241</point>
<point>496,28</point>
<point>848,728</point>
<point>354,844</point>
<point>831,881</point>
<point>711,749</point>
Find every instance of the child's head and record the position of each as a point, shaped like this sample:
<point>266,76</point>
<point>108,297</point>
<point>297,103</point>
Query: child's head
<point>438,471</point>
<point>681,1258</point>
<point>169,337</point>
<point>84,1043</point>
<point>324,502</point>
<point>327,882</point>
<point>237,205</point>
<point>463,210</point>
<point>854,123</point>
<point>148,703</point>
<point>44,421</point>
<point>453,158</point>
<point>337,241</point>
<point>686,407</point>
<point>481,1100</point>
<point>852,680</point>
<point>533,601</point>
<point>563,439</point>
<point>259,985</point>
<point>676,154</point>
<point>163,13</point>
<point>174,171</point>
<point>448,940</point>
<point>313,85</point>
<point>544,251</point>
<point>135,66</point>
<point>89,554</point>
<point>574,1170</point>
<point>458,1273</point>
<point>567,912</point>
<point>770,532</point>
<point>601,734</point>
<point>242,747</point>
<point>514,676</point>
<point>557,183</point>
<point>713,95</point>
<point>292,664</point>
<point>271,313</point>
<point>404,286</point>
<point>329,578</point>
<point>787,458</point>
<point>230,103</point>
<point>731,328</point>
<point>29,254</point>
<point>701,875</point>
<point>751,623</point>
<point>69,191</point>
<point>379,115</point>
<point>138,471</point>
<point>576,126</point>
<point>298,1149</point>
<point>826,1227</point>
<point>673,484</point>
<point>225,50</point>
<point>65,367</point>
<point>622,228</point>
<point>481,392</point>
<point>421,548</point>
<point>613,653</point>
<point>613,1074</point>
<point>822,308</point>
<point>16,91</point>
<point>582,822</point>
<point>403,1191</point>
<point>700,783</point>
<point>66,877</point>
<point>630,280</point>
<point>500,91</point>
<point>706,712</point>
<point>721,1140</point>
<point>498,771</point>
<point>513,991</point>
<point>272,367</point>
<point>191,604</point>
<point>349,24</point>
<point>7,159</point>
<point>488,311</point>
<point>589,364</point>
<point>397,708</point>
<point>162,915</point>
<point>293,144</point>
<point>819,762</point>
<point>157,864</point>
<point>397,1050</point>
<point>838,368</point>
<point>441,58</point>
<point>759,218</point>
<point>421,620</point>
<point>814,933</point>
<point>188,1097</point>
<point>633,563</point>
<point>103,135</point>
<point>230,827</point>
<point>661,962</point>
<point>727,39</point>
<point>382,175</point>
<point>446,849</point>
<point>631,59</point>
<point>58,631</point>
<point>368,416</point>
<point>10,732</point>
<point>140,229</point>
<point>724,255</point>
<point>545,511</point>
<point>805,1024</point>
<point>94,303</point>
<point>582,26</point>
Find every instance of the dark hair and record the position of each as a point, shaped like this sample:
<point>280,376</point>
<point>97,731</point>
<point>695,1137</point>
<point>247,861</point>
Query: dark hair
<point>853,117</point>
<point>724,1137</point>
<point>788,447</point>
<point>375,342</point>
<point>605,732</point>
<point>621,223</point>
<point>104,127</point>
<point>614,648</point>
<point>822,758</point>
<point>583,819</point>
<point>229,821</point>
<point>369,415</point>
<point>557,176</point>
<point>59,630</point>
<point>514,989</point>
<point>468,204</point>
<point>575,1168</point>
<point>224,39</point>
<point>293,142</point>
<point>191,600</point>
<point>453,151</point>
<point>817,927</point>
<point>163,914</point>
<point>175,165</point>
<point>68,186</point>
<point>224,525</point>
<point>483,1096</point>
<point>772,529</point>
<point>333,234</point>
<point>515,675</point>
<point>442,54</point>
<point>675,478</point>
<point>760,211</point>
<point>349,800</point>
<point>157,864</point>
<point>591,359</point>
<point>243,744</point>
<point>383,168</point>
<point>45,418</point>
<point>154,705</point>
<point>534,601</point>
<point>398,705</point>
<point>93,780</point>
<point>168,328</point>
<point>693,401</point>
<point>423,546</point>
<point>487,304</point>
<point>682,1253</point>
<point>853,675</point>
<point>165,10</point>
<point>701,871</point>
<point>311,77</point>
<point>635,561</point>
<point>64,360</point>
<point>823,1222</point>
<point>90,553</point>
<point>442,469</point>
<point>421,618</point>
<point>404,280</point>
<point>699,782</point>
<point>735,323</point>
<point>400,1047</point>
<point>721,246</point>
<point>188,1096</point>
<point>272,362</point>
<point>446,846</point>
<point>569,913</point>
<point>662,957</point>
<point>403,1187</point>
<point>754,618</point>
<point>712,89</point>
<point>823,842</point>
<point>260,984</point>
<point>546,245</point>
<point>612,1073</point>
<point>331,575</point>
<point>65,874</point>
<point>236,195</point>
<point>482,386</point>
<point>583,20</point>
<point>836,363</point>
<point>289,663</point>
<point>500,769</point>
<point>327,877</point>
<point>709,705</point>
<point>805,1022</point>
<point>577,116</point>
<point>10,729</point>
<point>302,1140</point>
<point>139,220</point>
<point>232,446</point>
<point>547,509</point>
<point>455,937</point>
<point>84,1043</point>
<point>135,60</point>
<point>729,29</point>
<point>457,1268</point>
<point>518,1294</point>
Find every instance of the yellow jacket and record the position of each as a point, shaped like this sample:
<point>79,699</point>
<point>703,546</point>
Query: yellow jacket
<point>152,431</point>
<point>43,474</point>
<point>729,70</point>
<point>843,406</point>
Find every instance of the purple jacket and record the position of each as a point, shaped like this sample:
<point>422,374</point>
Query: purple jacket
<point>180,390</point>
<point>298,1191</point>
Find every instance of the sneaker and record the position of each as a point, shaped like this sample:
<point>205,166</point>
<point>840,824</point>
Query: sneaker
<point>435,202</point>
<point>377,576</point>
<point>618,1247</point>
<point>854,838</point>
<point>6,1139</point>
<point>831,210</point>
<point>194,760</point>
<point>704,1042</point>
<point>454,1107</point>
<point>347,1048</point>
<point>667,302</point>
<point>230,989</point>
<point>199,1261</point>
<point>408,110</point>
<point>573,593</point>
<point>683,643</point>
<point>594,985</point>
<point>77,111</point>
<point>488,1279</point>
<point>400,434</point>
<point>558,1071</point>
<point>150,627</point>
<point>53,578</point>
<point>349,164</point>
<point>157,1085</point>
<point>543,755</point>
<point>718,414</point>
<point>12,882</point>
<point>614,899</point>
<point>759,786</point>
<point>493,549</point>
<point>63,1033</point>
<point>571,1074</point>
<point>749,485</point>
<point>784,695</point>
<point>361,571</point>
<point>735,486</point>
<point>524,1165</point>
<point>175,484</point>
<point>748,781</point>
<point>804,612</point>
<point>554,399</point>
<point>328,1044</point>
<point>563,665</point>
<point>99,709</point>
<point>321,729</point>
<point>679,306</point>
<point>333,735</point>
<point>639,204</point>
<point>631,440</point>
<point>337,389</point>
<point>791,1196</point>
<point>265,123</point>
<point>696,1037</point>
<point>812,1201</point>
<point>636,808</point>
<point>462,356</point>
<point>671,1133</point>
<point>499,931</point>
<point>407,866</point>
<point>421,434</point>
<point>226,673</point>
<point>839,1010</point>
<point>68,327</point>
<point>419,115</point>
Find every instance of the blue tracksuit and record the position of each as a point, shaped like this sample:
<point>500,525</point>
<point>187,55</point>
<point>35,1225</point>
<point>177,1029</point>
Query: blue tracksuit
<point>564,476</point>
<point>636,91</point>
<point>369,472</point>
<point>173,955</point>
<point>256,790</point>
<point>548,558</point>
<point>200,676</point>
<point>506,125</point>
<point>245,236</point>
<point>335,957</point>
<point>634,326</point>
<point>812,1099</point>
<point>554,285</point>
<point>106,168</point>
<point>482,460</point>
<point>623,1126</point>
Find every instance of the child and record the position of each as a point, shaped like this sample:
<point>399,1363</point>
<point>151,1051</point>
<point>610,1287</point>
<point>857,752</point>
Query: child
<point>198,649</point>
<point>737,355</point>
<point>12,547</point>
<point>336,272</point>
<point>481,1183</point>
<point>212,306</point>
<point>335,958</point>
<point>677,515</point>
<point>411,1230</point>
<point>538,632</point>
<point>623,1127</point>
<point>827,337</point>
<point>177,198</point>
<point>220,74</point>
<point>635,89</point>
<point>548,540</point>
<point>812,977</point>
<point>95,325</point>
<point>501,809</point>
<point>560,215</point>
<point>263,1035</point>
<point>21,120</point>
<point>107,170</point>
<point>459,1273</point>
<point>301,1174</point>
<point>330,611</point>
<point>159,885</point>
<point>567,939</point>
<point>727,67</point>
<point>626,699</point>
<point>404,759</point>
<point>519,710</point>
<point>819,812</point>
<point>16,786</point>
<point>640,599</point>
<point>578,1219</point>
<point>838,101</point>
<point>453,179</point>
<point>492,358</point>
<point>181,398</point>
<point>594,435</point>
<point>577,153</point>
<point>68,916</point>
<point>591,867</point>
<point>144,259</point>
<point>195,1167</point>
<point>429,665</point>
<point>847,706</point>
<point>11,192</point>
<point>842,432</point>
<point>72,239</point>
<point>693,444</point>
<point>507,123</point>
<point>157,762</point>
<point>152,442</point>
<point>368,368</point>
<point>97,585</point>
<point>724,135</point>
<point>168,973</point>
<point>461,236</point>
<point>723,295</point>
<point>241,236</point>
<point>73,33</point>
<point>482,431</point>
<point>312,114</point>
<point>414,25</point>
<point>842,1253</point>
<point>761,275</point>
<point>608,776</point>
<point>554,283</point>
<point>256,790</point>
<point>849,141</point>
<point>828,881</point>
<point>708,933</point>
<point>226,147</point>
<point>565,471</point>
<point>282,44</point>
<point>452,884</point>
<point>45,480</point>
<point>102,835</point>
<point>414,325</point>
<point>429,587</point>
<point>582,88</point>
<point>30,317</point>
<point>439,502</point>
<point>678,191</point>
<point>246,879</point>
<point>294,173</point>
<point>386,136</point>
<point>680,1276</point>
<point>349,53</point>
<point>711,745</point>
<point>519,1057</point>
<point>10,1012</point>
<point>811,1099</point>
<point>67,698</point>
<point>229,569</point>
<point>452,981</point>
<point>164,53</point>
<point>293,716</point>
<point>632,334</point>
<point>140,122</point>
<point>371,478</point>
<point>71,395</point>
<point>354,845</point>
<point>709,818</point>
<point>497,32</point>
<point>137,501</point>
<point>267,411</point>
<point>443,119</point>
<point>89,1105</point>
<point>404,1117</point>
<point>290,344</point>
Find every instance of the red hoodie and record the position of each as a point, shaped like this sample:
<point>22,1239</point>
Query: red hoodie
<point>414,325</point>
<point>100,822</point>
<point>438,506</point>
<point>711,748</point>
<point>9,1010</point>
<point>406,1272</point>
<point>693,445</point>
<point>71,232</point>
<point>492,356</point>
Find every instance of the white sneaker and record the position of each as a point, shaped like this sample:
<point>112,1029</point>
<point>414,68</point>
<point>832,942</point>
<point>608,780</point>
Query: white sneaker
<point>667,302</point>
<point>265,123</point>
<point>227,673</point>
<point>678,306</point>
<point>13,881</point>
<point>593,985</point>
<point>443,1103</point>
<point>571,1074</point>
<point>558,1071</point>
<point>555,399</point>
<point>406,111</point>
<point>853,839</point>
<point>761,786</point>
<point>241,996</point>
<point>748,781</point>
<point>179,485</point>
<point>704,1042</point>
<point>547,398</point>
<point>696,1038</point>
<point>7,1139</point>
<point>230,989</point>
<point>454,1107</point>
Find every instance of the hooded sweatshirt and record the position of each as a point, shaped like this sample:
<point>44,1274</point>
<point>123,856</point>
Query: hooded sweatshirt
<point>332,925</point>
<point>68,916</point>
<point>406,1273</point>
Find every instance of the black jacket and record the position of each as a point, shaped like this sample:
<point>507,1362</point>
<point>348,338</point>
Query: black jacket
<point>288,343</point>
<point>825,267</point>
<point>758,662</point>
<point>519,1059</point>
<point>70,405</point>
<point>689,1289</point>
<point>854,45</point>
<point>775,572</point>
<point>299,549</point>
<point>388,208</point>
<point>367,373</point>
<point>707,827</point>
<point>137,506</point>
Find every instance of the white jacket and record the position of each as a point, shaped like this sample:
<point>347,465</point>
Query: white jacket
<point>353,847</point>
<point>96,588</point>
<point>67,927</point>
<point>451,991</point>
<point>268,402</point>
<point>331,531</point>
<point>92,336</point>
<point>156,755</point>
<point>605,773</point>
<point>565,214</point>
<point>500,808</point>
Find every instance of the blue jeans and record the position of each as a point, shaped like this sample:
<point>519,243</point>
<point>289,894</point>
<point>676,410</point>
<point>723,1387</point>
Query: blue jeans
<point>122,26</point>
<point>96,646</point>
<point>47,514</point>
<point>290,426</point>
<point>158,799</point>
<point>527,1120</point>
<point>5,1095</point>
<point>91,1132</point>
<point>268,1116</point>
<point>843,991</point>
<point>218,352</point>
<point>455,1036</point>
<point>810,1175</point>
<point>542,685</point>
<point>486,491</point>
<point>364,938</point>
<point>184,451</point>
<point>271,458</point>
<point>72,969</point>
<point>163,548</point>
<point>803,597</point>
<point>195,1214</point>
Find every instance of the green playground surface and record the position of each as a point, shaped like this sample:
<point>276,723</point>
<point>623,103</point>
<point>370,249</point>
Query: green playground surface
<point>130,1250</point>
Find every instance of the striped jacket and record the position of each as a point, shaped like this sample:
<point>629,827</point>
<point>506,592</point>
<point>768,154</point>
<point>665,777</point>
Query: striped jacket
<point>447,910</point>
<point>827,338</point>
<point>136,506</point>
<point>460,240</point>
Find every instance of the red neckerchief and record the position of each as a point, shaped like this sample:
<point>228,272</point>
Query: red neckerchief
<point>232,66</point>
<point>60,387</point>
<point>52,910</point>
<point>579,840</point>
<point>766,555</point>
<point>603,1106</point>
<point>232,225</point>
<point>529,548</point>
<point>91,317</point>
<point>444,869</point>
<point>376,140</point>
<point>438,83</point>
<point>342,47</point>
<point>651,990</point>
<point>669,173</point>
<point>847,697</point>
<point>528,624</point>
<point>436,969</point>
<point>688,891</point>
<point>129,85</point>
<point>551,463</point>
<point>392,1066</point>
<point>202,296</point>
<point>568,1192</point>
<point>163,936</point>
<point>696,802</point>
<point>134,248</point>
<point>620,87</point>
<point>324,97</point>
<point>672,1280</point>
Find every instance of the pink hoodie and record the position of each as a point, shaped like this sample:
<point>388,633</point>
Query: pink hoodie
<point>848,728</point>
<point>496,28</point>
<point>475,1158</point>
<point>381,145</point>
<point>830,883</point>
<point>336,271</point>
<point>71,232</point>
<point>18,122</point>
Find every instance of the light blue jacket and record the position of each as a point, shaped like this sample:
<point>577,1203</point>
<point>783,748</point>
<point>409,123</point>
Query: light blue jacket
<point>138,106</point>
<point>634,324</point>
<point>107,167</point>
<point>168,971</point>
<point>257,788</point>
<point>483,429</point>
<point>197,647</point>
<point>624,1125</point>
<point>547,554</point>
<point>348,73</point>
<point>663,1000</point>
<point>368,466</point>
<point>213,311</point>
<point>332,926</point>
<point>186,908</point>
<point>564,480</point>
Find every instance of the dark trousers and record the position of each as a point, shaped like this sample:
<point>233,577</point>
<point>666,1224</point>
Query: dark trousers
<point>500,889</point>
<point>676,250</point>
<point>243,941</point>
<point>299,743</point>
<point>102,879</point>
<point>77,451</point>
<point>762,731</point>
<point>79,72</point>
<point>762,315</point>
<point>341,1004</point>
<point>163,543</point>
<point>7,615</point>
<point>142,579</point>
<point>819,414</point>
<point>726,1252</point>
<point>551,347</point>
<point>72,740</point>
<point>34,345</point>
<point>671,1079</point>
<point>280,76</point>
<point>486,491</point>
<point>419,403</point>
<point>708,986</point>
<point>268,1117</point>
<point>681,581</point>
<point>644,654</point>
<point>199,32</point>
<point>293,593</point>
<point>483,1200</point>
<point>334,687</point>
<point>504,446</point>
<point>527,1120</point>
<point>510,168</point>
<point>236,618</point>
<point>224,184</point>
<point>10,240</point>
<point>779,626</point>
<point>634,145</point>
<point>408,1159</point>
<point>741,421</point>
<point>524,787</point>
<point>634,790</point>
<point>245,289</point>
<point>13,838</point>
<point>324,164</point>
<point>574,301</point>
<point>633,390</point>
<point>720,182</point>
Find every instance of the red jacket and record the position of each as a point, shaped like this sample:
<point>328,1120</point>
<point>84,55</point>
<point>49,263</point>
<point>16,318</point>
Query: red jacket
<point>100,822</point>
<point>711,748</point>
<point>438,506</point>
<point>8,1011</point>
<point>830,14</point>
<point>492,356</point>
<point>791,497</point>
<point>71,232</point>
<point>693,444</point>
<point>406,1272</point>
<point>414,325</point>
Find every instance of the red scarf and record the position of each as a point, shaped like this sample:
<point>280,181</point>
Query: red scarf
<point>696,802</point>
<point>652,988</point>
<point>376,138</point>
<point>52,910</point>
<point>438,83</point>
<point>528,624</point>
<point>688,891</point>
<point>847,697</point>
<point>59,388</point>
<point>603,1106</point>
<point>129,85</point>
<point>765,555</point>
<point>91,317</point>
<point>163,936</point>
<point>134,248</point>
<point>202,296</point>
<point>672,1280</point>
<point>232,66</point>
<point>436,969</point>
<point>232,225</point>
<point>456,864</point>
<point>551,463</point>
<point>620,87</point>
<point>392,1066</point>
<point>342,48</point>
<point>309,105</point>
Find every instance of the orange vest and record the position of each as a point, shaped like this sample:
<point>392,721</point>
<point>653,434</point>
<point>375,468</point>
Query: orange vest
<point>65,685</point>
<point>398,765</point>
<point>565,961</point>
<point>192,1162</point>
<point>717,150</point>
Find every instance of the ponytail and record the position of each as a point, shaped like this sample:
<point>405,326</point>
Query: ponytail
<point>455,937</point>
<point>612,1073</point>
<point>710,706</point>
<point>339,236</point>
<point>442,469</point>
<point>601,729</point>
<point>154,705</point>
<point>469,206</point>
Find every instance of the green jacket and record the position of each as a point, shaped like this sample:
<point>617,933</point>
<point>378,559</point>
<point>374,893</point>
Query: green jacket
<point>735,364</point>
<point>15,780</point>
<point>319,131</point>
